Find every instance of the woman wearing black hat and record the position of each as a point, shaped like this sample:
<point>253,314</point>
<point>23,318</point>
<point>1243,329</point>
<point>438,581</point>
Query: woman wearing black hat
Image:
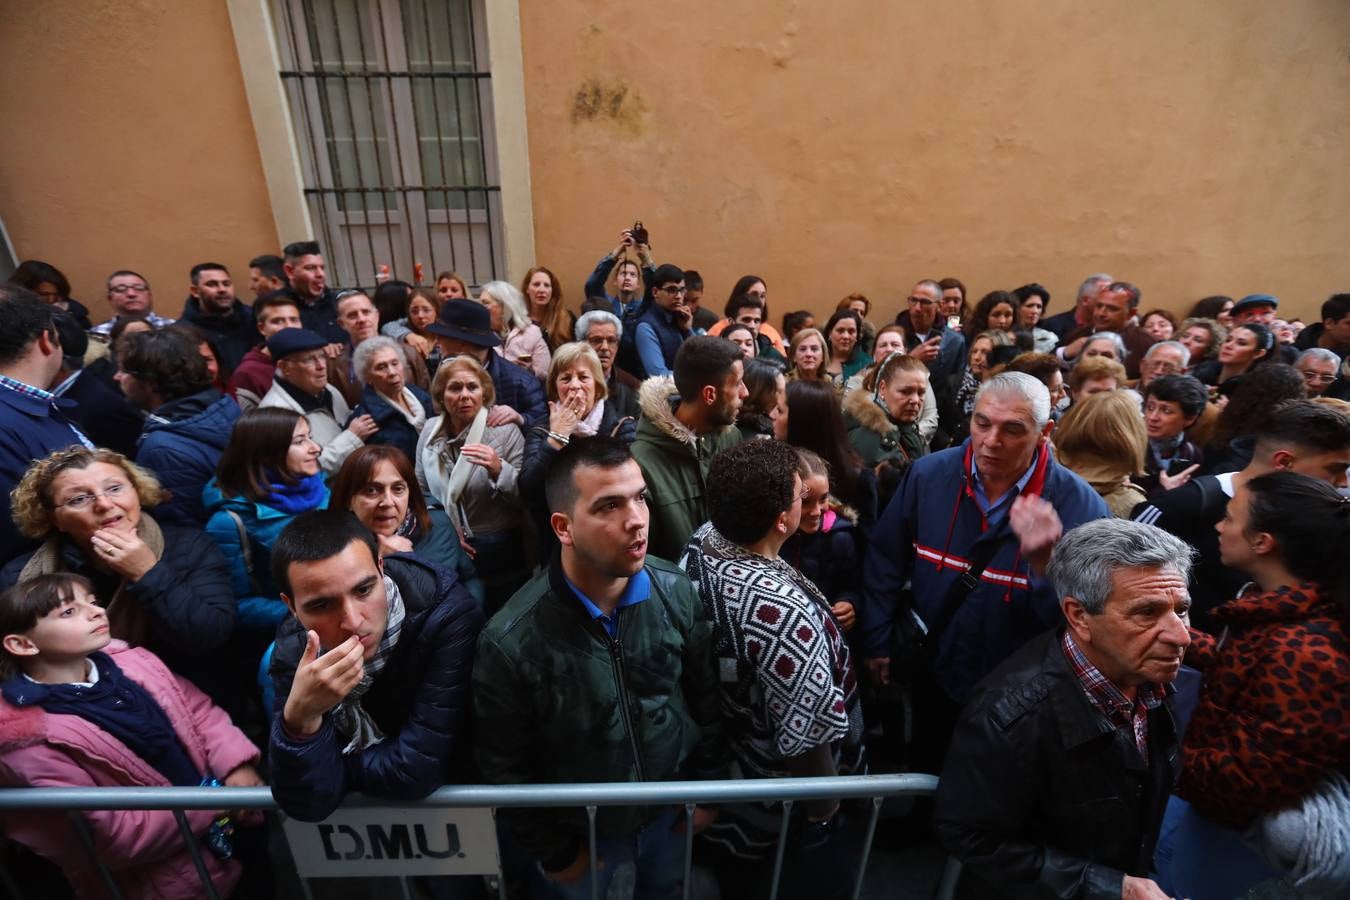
<point>464,328</point>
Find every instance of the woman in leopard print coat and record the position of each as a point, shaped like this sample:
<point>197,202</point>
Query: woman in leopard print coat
<point>1274,712</point>
<point>1273,722</point>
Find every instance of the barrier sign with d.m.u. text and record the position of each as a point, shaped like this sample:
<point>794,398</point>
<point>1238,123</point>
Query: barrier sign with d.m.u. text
<point>375,841</point>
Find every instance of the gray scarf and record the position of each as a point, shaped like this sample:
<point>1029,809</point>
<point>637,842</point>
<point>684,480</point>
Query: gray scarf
<point>350,719</point>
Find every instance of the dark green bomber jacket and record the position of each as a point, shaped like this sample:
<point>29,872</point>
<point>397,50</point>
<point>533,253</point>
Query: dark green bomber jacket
<point>555,700</point>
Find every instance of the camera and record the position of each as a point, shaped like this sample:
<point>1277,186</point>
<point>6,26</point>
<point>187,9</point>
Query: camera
<point>640,235</point>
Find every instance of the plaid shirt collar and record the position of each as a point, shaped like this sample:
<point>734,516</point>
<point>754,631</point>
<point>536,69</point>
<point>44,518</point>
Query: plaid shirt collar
<point>26,390</point>
<point>1109,700</point>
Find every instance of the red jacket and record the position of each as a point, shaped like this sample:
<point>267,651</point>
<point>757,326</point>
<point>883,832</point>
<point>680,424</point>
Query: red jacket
<point>143,850</point>
<point>1274,712</point>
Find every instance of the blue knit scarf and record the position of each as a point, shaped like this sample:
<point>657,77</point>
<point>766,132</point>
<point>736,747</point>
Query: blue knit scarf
<point>296,498</point>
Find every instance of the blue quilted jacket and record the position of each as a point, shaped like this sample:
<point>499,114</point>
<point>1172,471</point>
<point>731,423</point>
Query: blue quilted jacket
<point>181,443</point>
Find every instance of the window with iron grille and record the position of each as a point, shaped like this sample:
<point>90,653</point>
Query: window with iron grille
<point>392,106</point>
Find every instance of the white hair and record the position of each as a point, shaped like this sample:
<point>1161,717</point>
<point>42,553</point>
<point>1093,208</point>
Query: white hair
<point>512,302</point>
<point>1023,387</point>
<point>594,317</point>
<point>1090,284</point>
<point>369,347</point>
<point>1084,560</point>
<point>1116,340</point>
<point>1321,353</point>
<point>1175,345</point>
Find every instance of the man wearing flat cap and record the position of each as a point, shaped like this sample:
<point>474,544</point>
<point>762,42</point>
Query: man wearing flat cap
<point>464,328</point>
<point>1259,309</point>
<point>301,384</point>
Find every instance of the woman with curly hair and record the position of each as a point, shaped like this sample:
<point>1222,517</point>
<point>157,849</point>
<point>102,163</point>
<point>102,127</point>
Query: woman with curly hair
<point>166,588</point>
<point>997,311</point>
<point>545,295</point>
<point>1203,338</point>
<point>798,720</point>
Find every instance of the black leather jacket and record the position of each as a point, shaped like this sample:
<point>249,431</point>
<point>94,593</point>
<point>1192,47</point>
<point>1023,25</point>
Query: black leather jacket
<point>1040,795</point>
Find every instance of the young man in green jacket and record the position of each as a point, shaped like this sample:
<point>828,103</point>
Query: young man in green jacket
<point>599,669</point>
<point>686,421</point>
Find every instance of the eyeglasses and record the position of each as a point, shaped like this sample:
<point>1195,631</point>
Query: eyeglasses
<point>81,501</point>
<point>676,291</point>
<point>123,288</point>
<point>1317,378</point>
<point>921,301</point>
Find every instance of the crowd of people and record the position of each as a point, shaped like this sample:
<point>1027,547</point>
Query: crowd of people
<point>1084,566</point>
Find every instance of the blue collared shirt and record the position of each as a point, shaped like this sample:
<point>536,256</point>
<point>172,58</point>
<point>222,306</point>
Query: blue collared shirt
<point>995,510</point>
<point>639,589</point>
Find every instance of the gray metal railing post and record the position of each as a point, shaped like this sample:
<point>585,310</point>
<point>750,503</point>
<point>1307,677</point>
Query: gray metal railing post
<point>951,876</point>
<point>188,838</point>
<point>689,810</point>
<point>867,846</point>
<point>591,810</point>
<point>87,841</point>
<point>782,849</point>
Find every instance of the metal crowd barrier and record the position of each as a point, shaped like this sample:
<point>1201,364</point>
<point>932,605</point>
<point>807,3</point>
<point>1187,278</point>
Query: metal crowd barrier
<point>688,794</point>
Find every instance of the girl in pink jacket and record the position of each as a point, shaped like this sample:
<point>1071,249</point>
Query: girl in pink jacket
<point>78,709</point>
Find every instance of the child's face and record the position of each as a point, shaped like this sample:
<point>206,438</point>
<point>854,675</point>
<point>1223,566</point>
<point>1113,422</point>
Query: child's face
<point>71,631</point>
<point>814,503</point>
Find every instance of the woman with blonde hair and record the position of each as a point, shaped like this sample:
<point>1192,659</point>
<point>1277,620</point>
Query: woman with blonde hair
<point>544,294</point>
<point>1103,440</point>
<point>522,341</point>
<point>470,469</point>
<point>578,407</point>
<point>808,356</point>
<point>165,587</point>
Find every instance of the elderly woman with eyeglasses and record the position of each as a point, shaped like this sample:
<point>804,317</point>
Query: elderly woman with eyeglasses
<point>166,588</point>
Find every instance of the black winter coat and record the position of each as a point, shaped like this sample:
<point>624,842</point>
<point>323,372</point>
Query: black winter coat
<point>1041,796</point>
<point>420,701</point>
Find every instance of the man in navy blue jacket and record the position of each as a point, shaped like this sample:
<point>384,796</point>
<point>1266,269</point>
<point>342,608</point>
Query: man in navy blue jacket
<point>33,422</point>
<point>1001,487</point>
<point>371,669</point>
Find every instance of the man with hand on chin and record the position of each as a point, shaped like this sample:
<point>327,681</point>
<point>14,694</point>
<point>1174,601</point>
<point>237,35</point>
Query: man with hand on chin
<point>1063,760</point>
<point>371,670</point>
<point>599,669</point>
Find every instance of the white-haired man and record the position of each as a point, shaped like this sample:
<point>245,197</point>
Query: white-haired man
<point>603,331</point>
<point>971,529</point>
<point>1062,763</point>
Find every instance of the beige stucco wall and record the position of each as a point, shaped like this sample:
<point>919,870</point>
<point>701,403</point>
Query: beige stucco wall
<point>1191,147</point>
<point>1194,148</point>
<point>128,143</point>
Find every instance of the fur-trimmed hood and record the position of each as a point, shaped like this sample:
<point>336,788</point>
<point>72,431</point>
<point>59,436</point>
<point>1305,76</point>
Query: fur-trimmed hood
<point>842,510</point>
<point>657,398</point>
<point>859,404</point>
